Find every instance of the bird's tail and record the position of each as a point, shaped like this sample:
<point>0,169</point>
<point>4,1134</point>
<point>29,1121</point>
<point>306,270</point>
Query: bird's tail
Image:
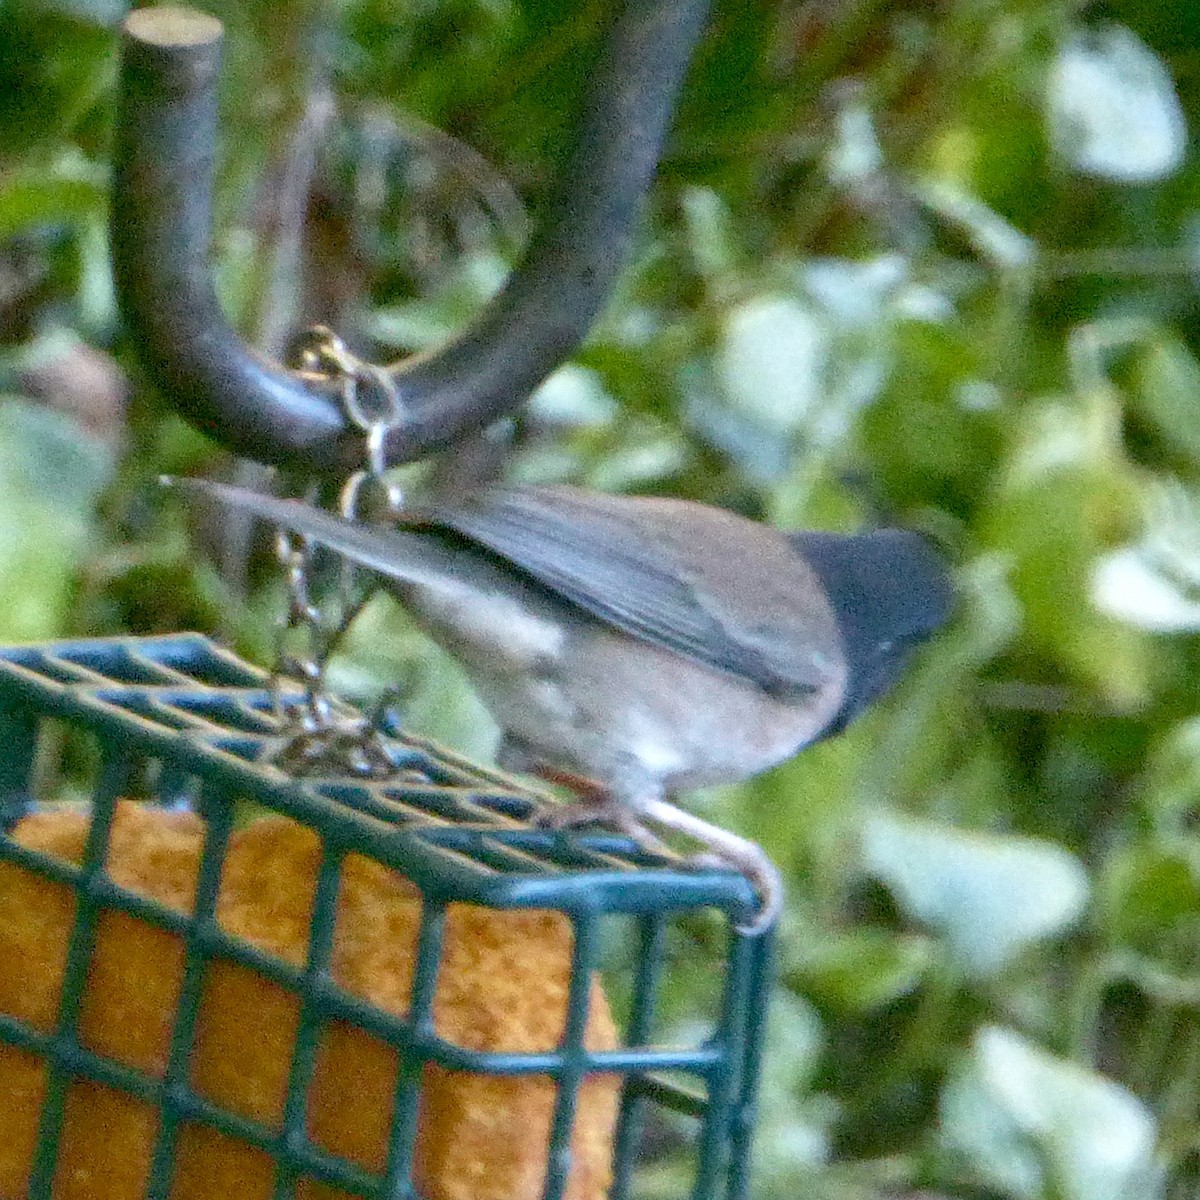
<point>399,555</point>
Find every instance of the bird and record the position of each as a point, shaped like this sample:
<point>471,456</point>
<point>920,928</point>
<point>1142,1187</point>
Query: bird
<point>637,647</point>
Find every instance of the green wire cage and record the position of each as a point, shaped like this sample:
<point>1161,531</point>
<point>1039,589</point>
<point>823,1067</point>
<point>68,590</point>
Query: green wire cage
<point>181,723</point>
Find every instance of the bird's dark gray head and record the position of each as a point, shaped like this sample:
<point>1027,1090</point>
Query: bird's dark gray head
<point>890,591</point>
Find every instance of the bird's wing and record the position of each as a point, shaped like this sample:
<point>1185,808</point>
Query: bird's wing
<point>588,550</point>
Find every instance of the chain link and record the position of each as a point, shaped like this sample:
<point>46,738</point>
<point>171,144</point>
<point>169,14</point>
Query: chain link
<point>321,736</point>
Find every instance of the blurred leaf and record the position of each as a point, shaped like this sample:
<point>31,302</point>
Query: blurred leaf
<point>640,463</point>
<point>420,324</point>
<point>50,476</point>
<point>794,1132</point>
<point>854,157</point>
<point>1127,586</point>
<point>928,442</point>
<point>772,361</point>
<point>573,396</point>
<point>795,1042</point>
<point>47,458</point>
<point>96,12</point>
<point>1034,1126</point>
<point>710,236</point>
<point>1145,891</point>
<point>1166,382</point>
<point>1172,777</point>
<point>54,66</point>
<point>1155,584</point>
<point>861,969</point>
<point>993,615</point>
<point>865,295</point>
<point>989,896</point>
<point>1112,108</point>
<point>1069,496</point>
<point>994,238</point>
<point>72,194</point>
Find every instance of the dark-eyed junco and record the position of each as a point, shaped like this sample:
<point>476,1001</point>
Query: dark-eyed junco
<point>640,646</point>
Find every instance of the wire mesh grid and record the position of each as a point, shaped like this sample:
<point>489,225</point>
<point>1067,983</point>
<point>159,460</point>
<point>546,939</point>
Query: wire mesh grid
<point>198,722</point>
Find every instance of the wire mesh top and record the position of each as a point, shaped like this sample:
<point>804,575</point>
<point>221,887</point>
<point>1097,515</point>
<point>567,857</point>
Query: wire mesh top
<point>460,831</point>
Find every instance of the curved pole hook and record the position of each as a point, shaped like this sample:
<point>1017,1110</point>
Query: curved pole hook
<point>162,222</point>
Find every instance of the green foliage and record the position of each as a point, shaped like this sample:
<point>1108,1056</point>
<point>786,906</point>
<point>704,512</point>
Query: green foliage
<point>50,478</point>
<point>926,264</point>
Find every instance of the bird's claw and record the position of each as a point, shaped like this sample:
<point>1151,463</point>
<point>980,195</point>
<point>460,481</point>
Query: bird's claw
<point>584,812</point>
<point>726,849</point>
<point>763,875</point>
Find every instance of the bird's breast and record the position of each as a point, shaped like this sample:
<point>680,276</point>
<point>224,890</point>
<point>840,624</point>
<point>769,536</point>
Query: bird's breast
<point>646,720</point>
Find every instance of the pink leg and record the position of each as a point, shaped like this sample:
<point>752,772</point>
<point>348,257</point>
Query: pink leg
<point>728,850</point>
<point>596,803</point>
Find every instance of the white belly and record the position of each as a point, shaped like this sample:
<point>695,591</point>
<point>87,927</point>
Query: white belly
<point>652,722</point>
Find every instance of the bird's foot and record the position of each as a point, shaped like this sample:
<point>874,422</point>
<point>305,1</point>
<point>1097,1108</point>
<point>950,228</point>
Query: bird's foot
<point>604,811</point>
<point>761,872</point>
<point>596,805</point>
<point>726,849</point>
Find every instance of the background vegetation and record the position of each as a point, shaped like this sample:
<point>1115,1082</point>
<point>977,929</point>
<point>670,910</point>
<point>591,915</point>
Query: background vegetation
<point>927,262</point>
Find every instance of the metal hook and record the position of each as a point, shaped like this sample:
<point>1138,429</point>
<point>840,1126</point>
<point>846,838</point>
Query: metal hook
<point>161,224</point>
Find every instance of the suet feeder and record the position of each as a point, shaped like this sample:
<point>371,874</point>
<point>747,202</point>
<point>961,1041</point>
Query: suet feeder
<point>225,987</point>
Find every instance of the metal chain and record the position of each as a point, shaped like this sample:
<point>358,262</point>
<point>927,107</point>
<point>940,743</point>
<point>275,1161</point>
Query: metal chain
<point>320,736</point>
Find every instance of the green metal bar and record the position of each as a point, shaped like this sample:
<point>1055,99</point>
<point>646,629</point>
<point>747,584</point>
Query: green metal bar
<point>213,941</point>
<point>462,837</point>
<point>57,870</point>
<point>652,941</point>
<point>218,809</point>
<point>79,952</point>
<point>574,1060</point>
<point>80,1063</point>
<point>437,858</point>
<point>723,1079</point>
<point>18,735</point>
<point>442,860</point>
<point>177,789</point>
<point>699,1061</point>
<point>210,937</point>
<point>745,1115</point>
<point>402,1144</point>
<point>308,1029</point>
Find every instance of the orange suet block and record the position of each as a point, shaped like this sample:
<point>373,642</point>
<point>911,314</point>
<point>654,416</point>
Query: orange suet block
<point>502,986</point>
